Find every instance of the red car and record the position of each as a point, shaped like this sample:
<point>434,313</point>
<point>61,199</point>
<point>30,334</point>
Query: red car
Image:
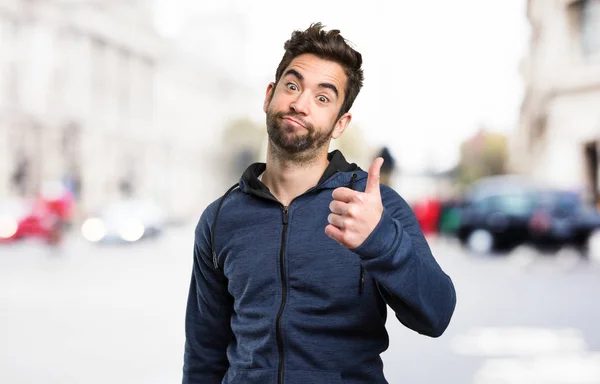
<point>43,218</point>
<point>427,211</point>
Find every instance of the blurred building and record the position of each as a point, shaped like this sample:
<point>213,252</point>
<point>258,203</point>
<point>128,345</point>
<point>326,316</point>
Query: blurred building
<point>558,138</point>
<point>78,96</point>
<point>91,95</point>
<point>195,104</point>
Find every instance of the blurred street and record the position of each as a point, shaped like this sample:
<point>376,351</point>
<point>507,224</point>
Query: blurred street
<point>125,119</point>
<point>108,314</point>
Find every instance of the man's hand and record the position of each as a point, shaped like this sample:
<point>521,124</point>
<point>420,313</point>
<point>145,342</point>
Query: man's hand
<point>354,215</point>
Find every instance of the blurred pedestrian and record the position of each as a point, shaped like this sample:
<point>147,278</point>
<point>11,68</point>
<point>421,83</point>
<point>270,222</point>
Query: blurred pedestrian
<point>388,167</point>
<point>294,265</point>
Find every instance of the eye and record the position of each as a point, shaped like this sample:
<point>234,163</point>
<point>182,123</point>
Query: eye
<point>323,99</point>
<point>291,86</point>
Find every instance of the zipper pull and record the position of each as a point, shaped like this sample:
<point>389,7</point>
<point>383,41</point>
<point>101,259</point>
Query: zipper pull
<point>285,215</point>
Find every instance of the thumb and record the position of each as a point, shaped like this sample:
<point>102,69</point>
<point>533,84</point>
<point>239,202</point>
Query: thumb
<point>373,178</point>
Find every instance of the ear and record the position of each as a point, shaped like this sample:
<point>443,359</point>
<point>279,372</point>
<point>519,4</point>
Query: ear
<point>268,96</point>
<point>341,125</point>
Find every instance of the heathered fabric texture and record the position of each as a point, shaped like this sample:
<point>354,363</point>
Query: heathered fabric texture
<point>332,329</point>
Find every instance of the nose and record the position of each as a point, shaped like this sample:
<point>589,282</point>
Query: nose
<point>300,105</point>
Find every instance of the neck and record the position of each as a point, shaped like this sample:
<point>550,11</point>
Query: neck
<point>290,176</point>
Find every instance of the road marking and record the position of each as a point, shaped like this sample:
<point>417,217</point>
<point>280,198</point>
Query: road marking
<point>581,368</point>
<point>530,355</point>
<point>518,341</point>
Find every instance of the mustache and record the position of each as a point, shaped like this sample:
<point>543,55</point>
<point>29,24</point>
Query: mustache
<point>294,116</point>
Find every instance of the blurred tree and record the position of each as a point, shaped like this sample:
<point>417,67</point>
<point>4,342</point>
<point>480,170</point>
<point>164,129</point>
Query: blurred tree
<point>355,146</point>
<point>484,154</point>
<point>243,139</point>
<point>243,132</point>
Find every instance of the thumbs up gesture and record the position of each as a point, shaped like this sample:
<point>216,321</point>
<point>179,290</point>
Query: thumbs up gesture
<point>354,215</point>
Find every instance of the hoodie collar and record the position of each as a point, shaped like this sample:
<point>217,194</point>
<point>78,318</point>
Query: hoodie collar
<point>249,181</point>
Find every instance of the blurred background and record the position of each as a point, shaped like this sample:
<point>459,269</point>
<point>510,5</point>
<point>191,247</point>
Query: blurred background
<point>120,120</point>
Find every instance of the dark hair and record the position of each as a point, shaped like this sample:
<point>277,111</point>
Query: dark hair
<point>329,46</point>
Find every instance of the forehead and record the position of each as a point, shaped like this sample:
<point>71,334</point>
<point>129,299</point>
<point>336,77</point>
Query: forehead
<point>317,70</point>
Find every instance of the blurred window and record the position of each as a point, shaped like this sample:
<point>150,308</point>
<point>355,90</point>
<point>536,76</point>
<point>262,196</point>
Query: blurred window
<point>590,28</point>
<point>98,73</point>
<point>561,202</point>
<point>517,204</point>
<point>483,205</point>
<point>124,93</point>
<point>513,204</point>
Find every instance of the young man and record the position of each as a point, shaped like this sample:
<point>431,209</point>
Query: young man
<point>295,266</point>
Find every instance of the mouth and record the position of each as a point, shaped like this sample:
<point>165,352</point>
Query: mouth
<point>293,122</point>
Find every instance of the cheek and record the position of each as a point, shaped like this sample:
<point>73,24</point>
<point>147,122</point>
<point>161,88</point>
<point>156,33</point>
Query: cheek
<point>277,102</point>
<point>329,118</point>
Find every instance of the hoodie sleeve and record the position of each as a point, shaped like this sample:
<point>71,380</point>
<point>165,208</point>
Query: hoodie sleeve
<point>207,319</point>
<point>409,278</point>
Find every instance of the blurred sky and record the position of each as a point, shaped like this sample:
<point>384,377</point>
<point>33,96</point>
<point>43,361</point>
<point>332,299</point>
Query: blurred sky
<point>434,70</point>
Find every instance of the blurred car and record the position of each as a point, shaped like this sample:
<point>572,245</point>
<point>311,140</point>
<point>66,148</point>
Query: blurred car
<point>561,217</point>
<point>427,212</point>
<point>449,217</point>
<point>506,211</point>
<point>126,221</point>
<point>496,221</point>
<point>21,218</point>
<point>59,200</point>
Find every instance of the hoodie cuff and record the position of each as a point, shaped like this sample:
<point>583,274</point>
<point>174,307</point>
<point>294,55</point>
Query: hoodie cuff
<point>380,241</point>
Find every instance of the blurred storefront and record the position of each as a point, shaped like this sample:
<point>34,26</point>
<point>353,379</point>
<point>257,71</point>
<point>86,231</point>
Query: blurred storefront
<point>559,134</point>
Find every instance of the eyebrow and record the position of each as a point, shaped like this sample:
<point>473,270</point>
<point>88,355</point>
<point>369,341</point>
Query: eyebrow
<point>299,76</point>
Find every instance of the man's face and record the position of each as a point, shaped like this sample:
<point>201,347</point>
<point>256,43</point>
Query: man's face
<point>302,108</point>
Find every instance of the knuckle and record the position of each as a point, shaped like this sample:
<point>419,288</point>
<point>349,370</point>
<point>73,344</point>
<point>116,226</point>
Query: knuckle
<point>353,211</point>
<point>346,223</point>
<point>336,206</point>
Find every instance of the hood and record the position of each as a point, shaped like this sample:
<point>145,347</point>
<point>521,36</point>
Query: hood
<point>249,181</point>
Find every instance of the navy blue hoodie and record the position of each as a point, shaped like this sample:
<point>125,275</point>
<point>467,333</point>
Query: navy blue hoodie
<point>274,300</point>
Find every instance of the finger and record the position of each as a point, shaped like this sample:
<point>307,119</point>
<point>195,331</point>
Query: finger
<point>339,207</point>
<point>336,220</point>
<point>344,194</point>
<point>335,233</point>
<point>373,178</point>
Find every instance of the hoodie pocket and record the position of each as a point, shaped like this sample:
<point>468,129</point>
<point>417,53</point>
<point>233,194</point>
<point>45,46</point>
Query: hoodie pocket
<point>250,376</point>
<point>361,280</point>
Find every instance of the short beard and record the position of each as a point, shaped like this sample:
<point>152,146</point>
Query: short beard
<point>303,148</point>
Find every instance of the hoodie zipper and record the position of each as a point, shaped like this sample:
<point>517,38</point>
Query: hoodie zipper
<point>361,280</point>
<point>283,292</point>
<point>285,219</point>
